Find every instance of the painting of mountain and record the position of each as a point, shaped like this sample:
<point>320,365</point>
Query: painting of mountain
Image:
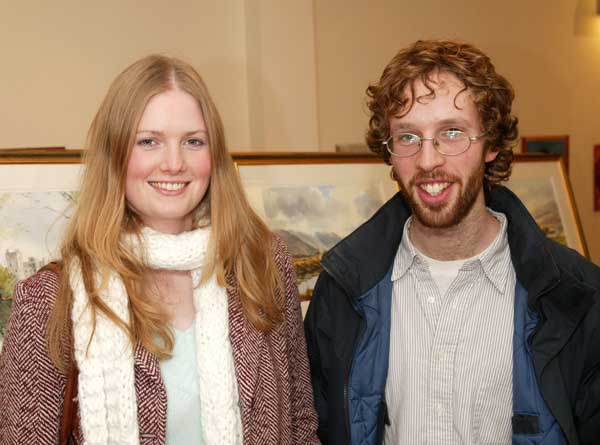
<point>540,199</point>
<point>313,216</point>
<point>31,225</point>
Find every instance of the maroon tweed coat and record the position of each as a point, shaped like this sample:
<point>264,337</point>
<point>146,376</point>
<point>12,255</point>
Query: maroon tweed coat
<point>276,400</point>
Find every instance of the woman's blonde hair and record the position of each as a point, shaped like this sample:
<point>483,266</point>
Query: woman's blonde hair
<point>240,250</point>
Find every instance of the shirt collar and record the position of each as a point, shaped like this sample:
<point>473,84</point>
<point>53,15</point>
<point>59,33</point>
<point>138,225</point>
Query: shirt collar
<point>406,254</point>
<point>494,259</point>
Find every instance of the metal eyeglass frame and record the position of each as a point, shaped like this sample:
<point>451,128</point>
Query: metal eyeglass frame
<point>436,144</point>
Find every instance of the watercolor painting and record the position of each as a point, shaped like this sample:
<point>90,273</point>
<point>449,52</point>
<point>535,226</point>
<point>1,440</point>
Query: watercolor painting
<point>312,219</point>
<point>540,181</point>
<point>540,198</point>
<point>312,216</point>
<point>36,197</point>
<point>31,224</point>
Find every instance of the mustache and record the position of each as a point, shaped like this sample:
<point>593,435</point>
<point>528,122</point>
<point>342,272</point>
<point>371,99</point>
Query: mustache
<point>434,175</point>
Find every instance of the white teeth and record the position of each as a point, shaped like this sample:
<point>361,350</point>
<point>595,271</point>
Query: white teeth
<point>170,186</point>
<point>435,188</point>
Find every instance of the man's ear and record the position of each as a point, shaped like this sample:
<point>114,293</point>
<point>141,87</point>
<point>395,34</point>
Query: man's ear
<point>490,154</point>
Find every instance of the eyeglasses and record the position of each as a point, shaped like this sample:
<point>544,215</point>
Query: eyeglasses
<point>451,142</point>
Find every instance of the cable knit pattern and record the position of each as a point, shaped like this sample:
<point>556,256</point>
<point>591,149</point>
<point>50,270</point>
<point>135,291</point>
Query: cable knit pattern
<point>107,397</point>
<point>184,251</point>
<point>108,409</point>
<point>221,422</point>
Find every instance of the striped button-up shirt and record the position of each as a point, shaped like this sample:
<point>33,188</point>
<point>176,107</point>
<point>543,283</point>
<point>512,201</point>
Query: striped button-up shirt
<point>450,368</point>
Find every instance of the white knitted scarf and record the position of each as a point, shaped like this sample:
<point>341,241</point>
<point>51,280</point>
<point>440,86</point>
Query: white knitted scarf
<point>106,394</point>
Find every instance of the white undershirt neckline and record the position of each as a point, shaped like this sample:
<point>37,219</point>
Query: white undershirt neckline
<point>445,272</point>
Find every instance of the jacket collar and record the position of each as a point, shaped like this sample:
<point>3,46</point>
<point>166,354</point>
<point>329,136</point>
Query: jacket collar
<point>361,259</point>
<point>532,260</point>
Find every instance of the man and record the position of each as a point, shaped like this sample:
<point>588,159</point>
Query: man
<point>448,317</point>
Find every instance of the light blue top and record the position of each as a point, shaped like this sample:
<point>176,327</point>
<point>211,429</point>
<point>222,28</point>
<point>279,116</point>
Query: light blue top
<point>180,376</point>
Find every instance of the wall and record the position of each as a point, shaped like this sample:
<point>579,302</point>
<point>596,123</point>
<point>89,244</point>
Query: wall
<point>281,75</point>
<point>257,57</point>
<point>541,46</point>
<point>59,58</point>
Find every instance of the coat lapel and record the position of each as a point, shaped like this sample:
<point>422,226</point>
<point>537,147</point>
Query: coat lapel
<point>151,397</point>
<point>247,343</point>
<point>147,364</point>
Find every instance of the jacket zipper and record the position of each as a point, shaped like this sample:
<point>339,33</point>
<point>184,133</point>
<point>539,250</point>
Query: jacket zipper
<point>277,385</point>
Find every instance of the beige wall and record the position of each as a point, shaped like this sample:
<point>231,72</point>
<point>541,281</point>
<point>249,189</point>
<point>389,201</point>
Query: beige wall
<point>257,57</point>
<point>291,74</point>
<point>541,46</point>
<point>281,75</point>
<point>59,58</point>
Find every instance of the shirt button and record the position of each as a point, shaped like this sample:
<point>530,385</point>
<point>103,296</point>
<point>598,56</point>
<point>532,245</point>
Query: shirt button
<point>430,300</point>
<point>439,409</point>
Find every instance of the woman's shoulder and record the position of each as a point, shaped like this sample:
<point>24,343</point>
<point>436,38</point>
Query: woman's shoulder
<point>280,248</point>
<point>38,291</point>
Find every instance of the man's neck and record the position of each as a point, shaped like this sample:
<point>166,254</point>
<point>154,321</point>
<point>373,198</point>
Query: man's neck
<point>464,240</point>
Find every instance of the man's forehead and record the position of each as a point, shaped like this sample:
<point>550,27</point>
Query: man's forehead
<point>436,83</point>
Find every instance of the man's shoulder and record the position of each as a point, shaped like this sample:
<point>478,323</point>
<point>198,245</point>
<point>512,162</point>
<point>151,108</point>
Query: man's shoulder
<point>571,263</point>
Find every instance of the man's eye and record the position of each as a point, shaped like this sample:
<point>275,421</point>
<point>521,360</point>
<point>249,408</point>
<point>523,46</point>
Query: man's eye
<point>406,139</point>
<point>452,133</point>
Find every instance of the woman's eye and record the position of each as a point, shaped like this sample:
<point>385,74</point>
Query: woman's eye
<point>196,142</point>
<point>147,142</point>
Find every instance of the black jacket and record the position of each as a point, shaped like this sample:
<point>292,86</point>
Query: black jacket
<point>563,289</point>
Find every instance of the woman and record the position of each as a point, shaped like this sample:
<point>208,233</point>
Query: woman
<point>173,301</point>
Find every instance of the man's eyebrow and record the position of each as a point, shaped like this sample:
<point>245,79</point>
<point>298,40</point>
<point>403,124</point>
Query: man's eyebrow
<point>401,126</point>
<point>407,125</point>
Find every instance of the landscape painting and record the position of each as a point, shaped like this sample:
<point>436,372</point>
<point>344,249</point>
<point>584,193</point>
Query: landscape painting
<point>313,206</point>
<point>540,199</point>
<point>35,205</point>
<point>540,181</point>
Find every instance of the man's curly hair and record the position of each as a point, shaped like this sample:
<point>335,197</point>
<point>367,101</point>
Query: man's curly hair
<point>492,94</point>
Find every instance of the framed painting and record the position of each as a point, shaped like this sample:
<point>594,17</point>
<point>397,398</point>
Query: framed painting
<point>313,200</point>
<point>37,187</point>
<point>552,145</point>
<point>541,182</point>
